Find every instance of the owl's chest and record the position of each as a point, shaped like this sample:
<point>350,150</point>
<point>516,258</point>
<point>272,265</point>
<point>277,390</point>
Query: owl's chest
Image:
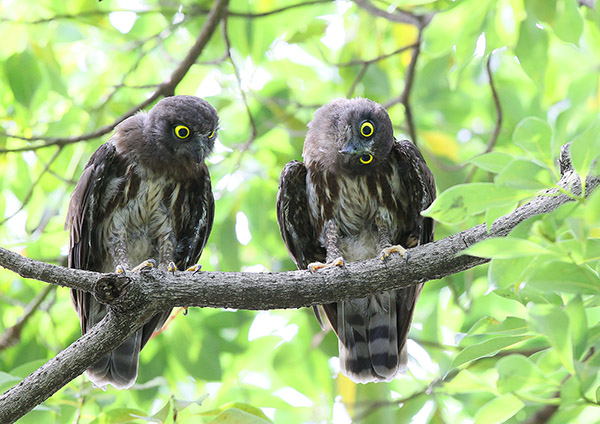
<point>141,208</point>
<point>354,202</point>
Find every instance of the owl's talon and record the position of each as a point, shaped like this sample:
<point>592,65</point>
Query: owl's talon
<point>171,267</point>
<point>386,252</point>
<point>120,269</point>
<point>315,266</point>
<point>185,311</point>
<point>146,265</point>
<point>194,268</point>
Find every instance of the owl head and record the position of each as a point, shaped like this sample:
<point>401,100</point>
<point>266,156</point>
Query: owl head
<point>186,126</point>
<point>352,136</point>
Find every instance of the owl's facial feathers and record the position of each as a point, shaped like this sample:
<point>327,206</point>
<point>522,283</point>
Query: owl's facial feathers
<point>174,137</point>
<point>349,136</point>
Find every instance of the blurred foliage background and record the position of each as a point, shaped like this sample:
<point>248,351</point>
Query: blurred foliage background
<point>488,90</point>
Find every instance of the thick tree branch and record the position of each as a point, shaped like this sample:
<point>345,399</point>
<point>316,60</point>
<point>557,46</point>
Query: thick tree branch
<point>137,296</point>
<point>167,88</point>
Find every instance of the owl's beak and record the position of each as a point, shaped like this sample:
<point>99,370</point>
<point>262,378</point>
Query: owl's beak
<point>355,146</point>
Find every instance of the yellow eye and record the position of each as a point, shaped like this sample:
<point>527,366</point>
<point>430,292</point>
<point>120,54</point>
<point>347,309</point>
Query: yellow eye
<point>181,131</point>
<point>366,129</point>
<point>212,134</point>
<point>366,159</point>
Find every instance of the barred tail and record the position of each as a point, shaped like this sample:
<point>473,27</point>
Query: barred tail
<point>369,340</point>
<point>119,367</point>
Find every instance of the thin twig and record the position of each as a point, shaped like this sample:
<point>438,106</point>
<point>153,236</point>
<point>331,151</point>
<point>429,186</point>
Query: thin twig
<point>376,59</point>
<point>357,79</point>
<point>400,16</point>
<point>253,130</point>
<point>11,335</point>
<point>33,186</point>
<point>498,124</point>
<point>166,89</point>
<point>274,11</point>
<point>404,98</point>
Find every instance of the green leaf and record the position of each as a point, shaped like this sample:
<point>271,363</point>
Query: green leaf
<point>466,382</point>
<point>510,326</point>
<point>120,416</point>
<point>579,326</point>
<point>517,372</point>
<point>553,322</point>
<point>585,149</point>
<point>23,75</point>
<point>535,137</point>
<point>505,248</point>
<point>564,277</point>
<point>248,415</point>
<point>487,348</point>
<point>532,50</point>
<point>499,409</point>
<point>492,162</point>
<point>525,175</point>
<point>464,200</point>
<point>315,28</point>
<point>568,23</point>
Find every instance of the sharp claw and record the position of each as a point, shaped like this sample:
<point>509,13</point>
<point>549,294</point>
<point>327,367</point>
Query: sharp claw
<point>172,267</point>
<point>195,268</point>
<point>185,311</point>
<point>315,266</point>
<point>386,252</point>
<point>120,269</point>
<point>147,264</point>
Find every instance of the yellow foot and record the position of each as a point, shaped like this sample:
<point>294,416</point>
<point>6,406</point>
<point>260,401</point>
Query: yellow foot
<point>120,269</point>
<point>172,267</point>
<point>315,266</point>
<point>195,268</point>
<point>147,264</point>
<point>386,252</point>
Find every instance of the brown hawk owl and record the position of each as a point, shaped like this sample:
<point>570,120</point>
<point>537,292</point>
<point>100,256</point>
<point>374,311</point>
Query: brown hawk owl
<point>145,193</point>
<point>358,195</point>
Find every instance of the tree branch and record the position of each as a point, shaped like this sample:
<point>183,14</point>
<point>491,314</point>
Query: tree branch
<point>167,88</point>
<point>135,297</point>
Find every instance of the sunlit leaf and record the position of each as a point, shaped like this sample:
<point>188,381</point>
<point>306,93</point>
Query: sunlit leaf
<point>505,248</point>
<point>487,348</point>
<point>585,149</point>
<point>535,137</point>
<point>492,161</point>
<point>499,409</point>
<point>554,323</point>
<point>464,200</point>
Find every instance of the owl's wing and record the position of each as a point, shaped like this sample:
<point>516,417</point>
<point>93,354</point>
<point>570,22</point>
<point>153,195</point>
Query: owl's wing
<point>195,219</point>
<point>420,184</point>
<point>102,170</point>
<point>293,216</point>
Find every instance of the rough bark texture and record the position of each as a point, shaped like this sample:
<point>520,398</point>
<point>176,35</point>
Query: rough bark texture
<point>137,296</point>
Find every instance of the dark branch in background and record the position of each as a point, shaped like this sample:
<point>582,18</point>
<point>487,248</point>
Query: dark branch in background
<point>498,107</point>
<point>398,15</point>
<point>378,58</point>
<point>135,297</point>
<point>404,98</point>
<point>12,334</point>
<point>165,89</point>
<point>275,11</point>
<point>364,64</point>
<point>33,186</point>
<point>253,130</point>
